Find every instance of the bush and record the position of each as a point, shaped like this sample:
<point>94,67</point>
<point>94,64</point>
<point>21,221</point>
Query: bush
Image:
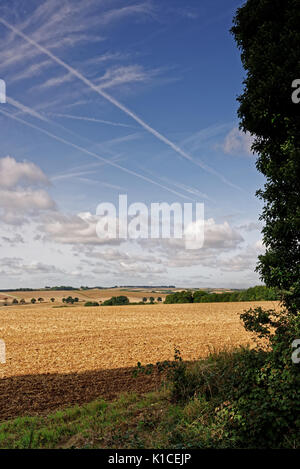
<point>243,398</point>
<point>180,297</point>
<point>116,301</point>
<point>267,412</point>
<point>91,303</point>
<point>254,394</point>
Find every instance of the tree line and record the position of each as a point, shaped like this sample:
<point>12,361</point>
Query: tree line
<point>258,293</point>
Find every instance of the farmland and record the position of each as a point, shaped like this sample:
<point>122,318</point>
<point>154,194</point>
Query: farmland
<point>57,356</point>
<point>93,294</point>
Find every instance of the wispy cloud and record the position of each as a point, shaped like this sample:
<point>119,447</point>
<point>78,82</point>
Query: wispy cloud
<point>120,106</point>
<point>33,70</point>
<point>61,26</point>
<point>116,76</point>
<point>56,81</point>
<point>237,143</point>
<point>25,109</point>
<point>94,155</point>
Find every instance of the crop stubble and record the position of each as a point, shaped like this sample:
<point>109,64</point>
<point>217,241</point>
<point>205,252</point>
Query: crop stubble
<point>57,356</point>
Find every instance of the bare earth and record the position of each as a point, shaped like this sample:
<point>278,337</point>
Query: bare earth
<point>60,356</point>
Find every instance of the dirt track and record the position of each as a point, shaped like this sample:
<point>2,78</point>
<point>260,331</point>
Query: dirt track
<point>38,394</point>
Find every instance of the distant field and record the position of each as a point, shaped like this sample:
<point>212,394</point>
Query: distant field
<point>83,295</point>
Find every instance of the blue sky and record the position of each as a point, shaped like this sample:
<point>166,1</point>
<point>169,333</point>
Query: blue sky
<point>129,97</point>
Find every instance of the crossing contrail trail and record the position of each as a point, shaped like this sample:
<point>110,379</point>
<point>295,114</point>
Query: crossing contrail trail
<point>95,155</point>
<point>90,119</point>
<point>25,109</point>
<point>33,113</point>
<point>119,105</point>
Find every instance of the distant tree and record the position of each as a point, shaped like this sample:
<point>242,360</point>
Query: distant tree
<point>33,301</point>
<point>70,300</point>
<point>22,301</point>
<point>180,297</point>
<point>151,299</point>
<point>199,296</point>
<point>52,300</point>
<point>40,300</point>
<point>159,299</point>
<point>116,301</point>
<point>144,300</point>
<point>91,303</point>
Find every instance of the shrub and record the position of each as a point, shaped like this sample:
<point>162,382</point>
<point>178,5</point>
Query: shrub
<point>180,297</point>
<point>91,303</point>
<point>116,300</point>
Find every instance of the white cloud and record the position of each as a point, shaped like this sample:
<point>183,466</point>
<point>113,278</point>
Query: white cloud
<point>220,236</point>
<point>218,239</point>
<point>74,229</point>
<point>116,76</point>
<point>13,173</point>
<point>246,260</point>
<point>15,266</point>
<point>238,143</point>
<point>26,200</point>
<point>13,240</point>
<point>251,226</point>
<point>19,195</point>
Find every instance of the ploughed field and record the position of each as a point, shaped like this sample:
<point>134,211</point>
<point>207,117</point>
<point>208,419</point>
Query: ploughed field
<point>68,355</point>
<point>83,295</point>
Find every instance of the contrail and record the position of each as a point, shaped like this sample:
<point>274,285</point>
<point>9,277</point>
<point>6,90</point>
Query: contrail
<point>119,105</point>
<point>101,158</point>
<point>26,109</point>
<point>36,114</point>
<point>91,119</point>
<point>32,112</point>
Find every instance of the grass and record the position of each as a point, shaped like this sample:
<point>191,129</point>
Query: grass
<point>152,420</point>
<point>210,403</point>
<point>128,422</point>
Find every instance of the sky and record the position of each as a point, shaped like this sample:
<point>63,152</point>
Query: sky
<point>110,97</point>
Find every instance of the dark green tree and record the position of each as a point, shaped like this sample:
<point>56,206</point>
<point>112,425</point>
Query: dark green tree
<point>116,301</point>
<point>268,35</point>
